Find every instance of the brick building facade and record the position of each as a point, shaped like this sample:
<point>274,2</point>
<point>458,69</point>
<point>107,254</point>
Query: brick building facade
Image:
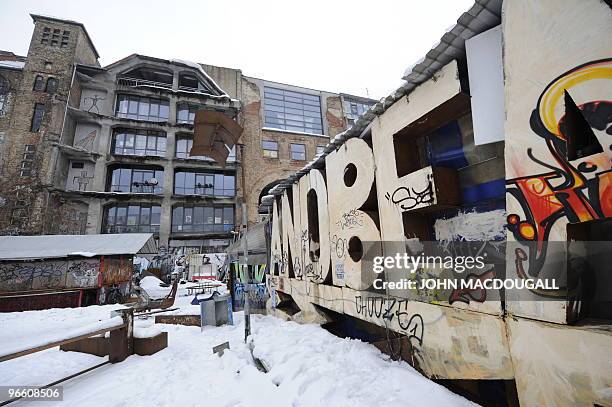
<point>91,149</point>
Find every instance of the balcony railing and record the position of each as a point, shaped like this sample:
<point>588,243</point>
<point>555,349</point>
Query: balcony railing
<point>142,83</point>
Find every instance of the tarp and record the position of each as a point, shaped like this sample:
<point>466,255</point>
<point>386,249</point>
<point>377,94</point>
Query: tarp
<point>58,246</point>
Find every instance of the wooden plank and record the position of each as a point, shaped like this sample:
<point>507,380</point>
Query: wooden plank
<point>59,343</point>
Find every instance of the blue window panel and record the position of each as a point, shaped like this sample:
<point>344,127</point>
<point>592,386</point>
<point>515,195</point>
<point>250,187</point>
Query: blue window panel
<point>495,189</point>
<point>445,147</point>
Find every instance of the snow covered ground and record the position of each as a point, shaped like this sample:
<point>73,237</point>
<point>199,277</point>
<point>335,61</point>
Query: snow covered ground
<point>308,366</point>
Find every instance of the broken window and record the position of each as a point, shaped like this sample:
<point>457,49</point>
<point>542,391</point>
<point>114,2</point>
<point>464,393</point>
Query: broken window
<point>183,147</point>
<point>37,117</point>
<point>580,139</point>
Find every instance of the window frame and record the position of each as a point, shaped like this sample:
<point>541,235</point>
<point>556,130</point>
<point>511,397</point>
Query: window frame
<point>37,117</point>
<point>121,134</point>
<point>188,140</point>
<point>292,152</point>
<point>268,152</point>
<point>218,180</point>
<point>51,89</point>
<point>292,111</point>
<point>154,212</point>
<point>118,175</point>
<point>188,216</point>
<point>135,104</point>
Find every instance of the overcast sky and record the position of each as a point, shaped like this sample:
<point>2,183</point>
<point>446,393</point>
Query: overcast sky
<point>357,47</point>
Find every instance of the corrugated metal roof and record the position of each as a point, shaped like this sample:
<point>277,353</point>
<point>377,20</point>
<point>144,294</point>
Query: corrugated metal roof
<point>483,15</point>
<point>58,246</point>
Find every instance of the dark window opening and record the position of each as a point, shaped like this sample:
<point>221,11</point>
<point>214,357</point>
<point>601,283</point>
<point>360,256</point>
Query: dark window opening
<point>355,248</point>
<point>37,117</point>
<point>589,279</point>
<point>350,175</point>
<point>580,138</point>
<point>313,225</point>
<point>150,76</point>
<point>51,85</point>
<point>78,164</point>
<point>190,83</point>
<point>39,83</point>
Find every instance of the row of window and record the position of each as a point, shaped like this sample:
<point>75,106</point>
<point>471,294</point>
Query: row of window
<point>153,109</point>
<point>283,109</point>
<point>55,38</point>
<point>153,143</point>
<point>146,219</point>
<point>151,181</point>
<point>50,87</point>
<point>296,151</point>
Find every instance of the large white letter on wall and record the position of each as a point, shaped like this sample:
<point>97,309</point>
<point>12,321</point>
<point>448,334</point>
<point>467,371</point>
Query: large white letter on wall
<point>350,175</point>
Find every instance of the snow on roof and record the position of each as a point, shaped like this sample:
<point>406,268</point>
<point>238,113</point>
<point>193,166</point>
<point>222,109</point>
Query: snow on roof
<point>197,66</point>
<point>12,64</point>
<point>58,246</point>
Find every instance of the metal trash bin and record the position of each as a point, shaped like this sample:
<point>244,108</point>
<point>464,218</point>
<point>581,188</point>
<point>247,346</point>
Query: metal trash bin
<point>216,310</point>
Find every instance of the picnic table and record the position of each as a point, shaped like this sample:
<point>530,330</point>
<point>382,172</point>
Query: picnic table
<point>203,288</point>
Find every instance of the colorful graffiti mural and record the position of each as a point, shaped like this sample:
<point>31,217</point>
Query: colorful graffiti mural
<point>577,190</point>
<point>258,293</point>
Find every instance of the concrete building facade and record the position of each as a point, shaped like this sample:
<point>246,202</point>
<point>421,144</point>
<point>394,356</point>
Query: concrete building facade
<point>91,149</point>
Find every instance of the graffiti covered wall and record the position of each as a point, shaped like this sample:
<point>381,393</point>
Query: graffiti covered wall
<point>48,275</point>
<point>418,180</point>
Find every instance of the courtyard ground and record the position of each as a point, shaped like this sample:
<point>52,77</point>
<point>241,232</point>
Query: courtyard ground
<point>308,366</point>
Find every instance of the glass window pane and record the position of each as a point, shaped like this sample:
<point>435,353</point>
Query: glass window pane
<point>121,215</point>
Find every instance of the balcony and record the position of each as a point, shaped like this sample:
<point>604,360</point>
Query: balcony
<point>141,83</point>
<point>426,190</point>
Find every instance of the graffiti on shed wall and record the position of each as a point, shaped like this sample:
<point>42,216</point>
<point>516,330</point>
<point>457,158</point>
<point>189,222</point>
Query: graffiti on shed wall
<point>48,275</point>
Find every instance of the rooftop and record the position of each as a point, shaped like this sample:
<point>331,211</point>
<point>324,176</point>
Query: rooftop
<point>60,246</point>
